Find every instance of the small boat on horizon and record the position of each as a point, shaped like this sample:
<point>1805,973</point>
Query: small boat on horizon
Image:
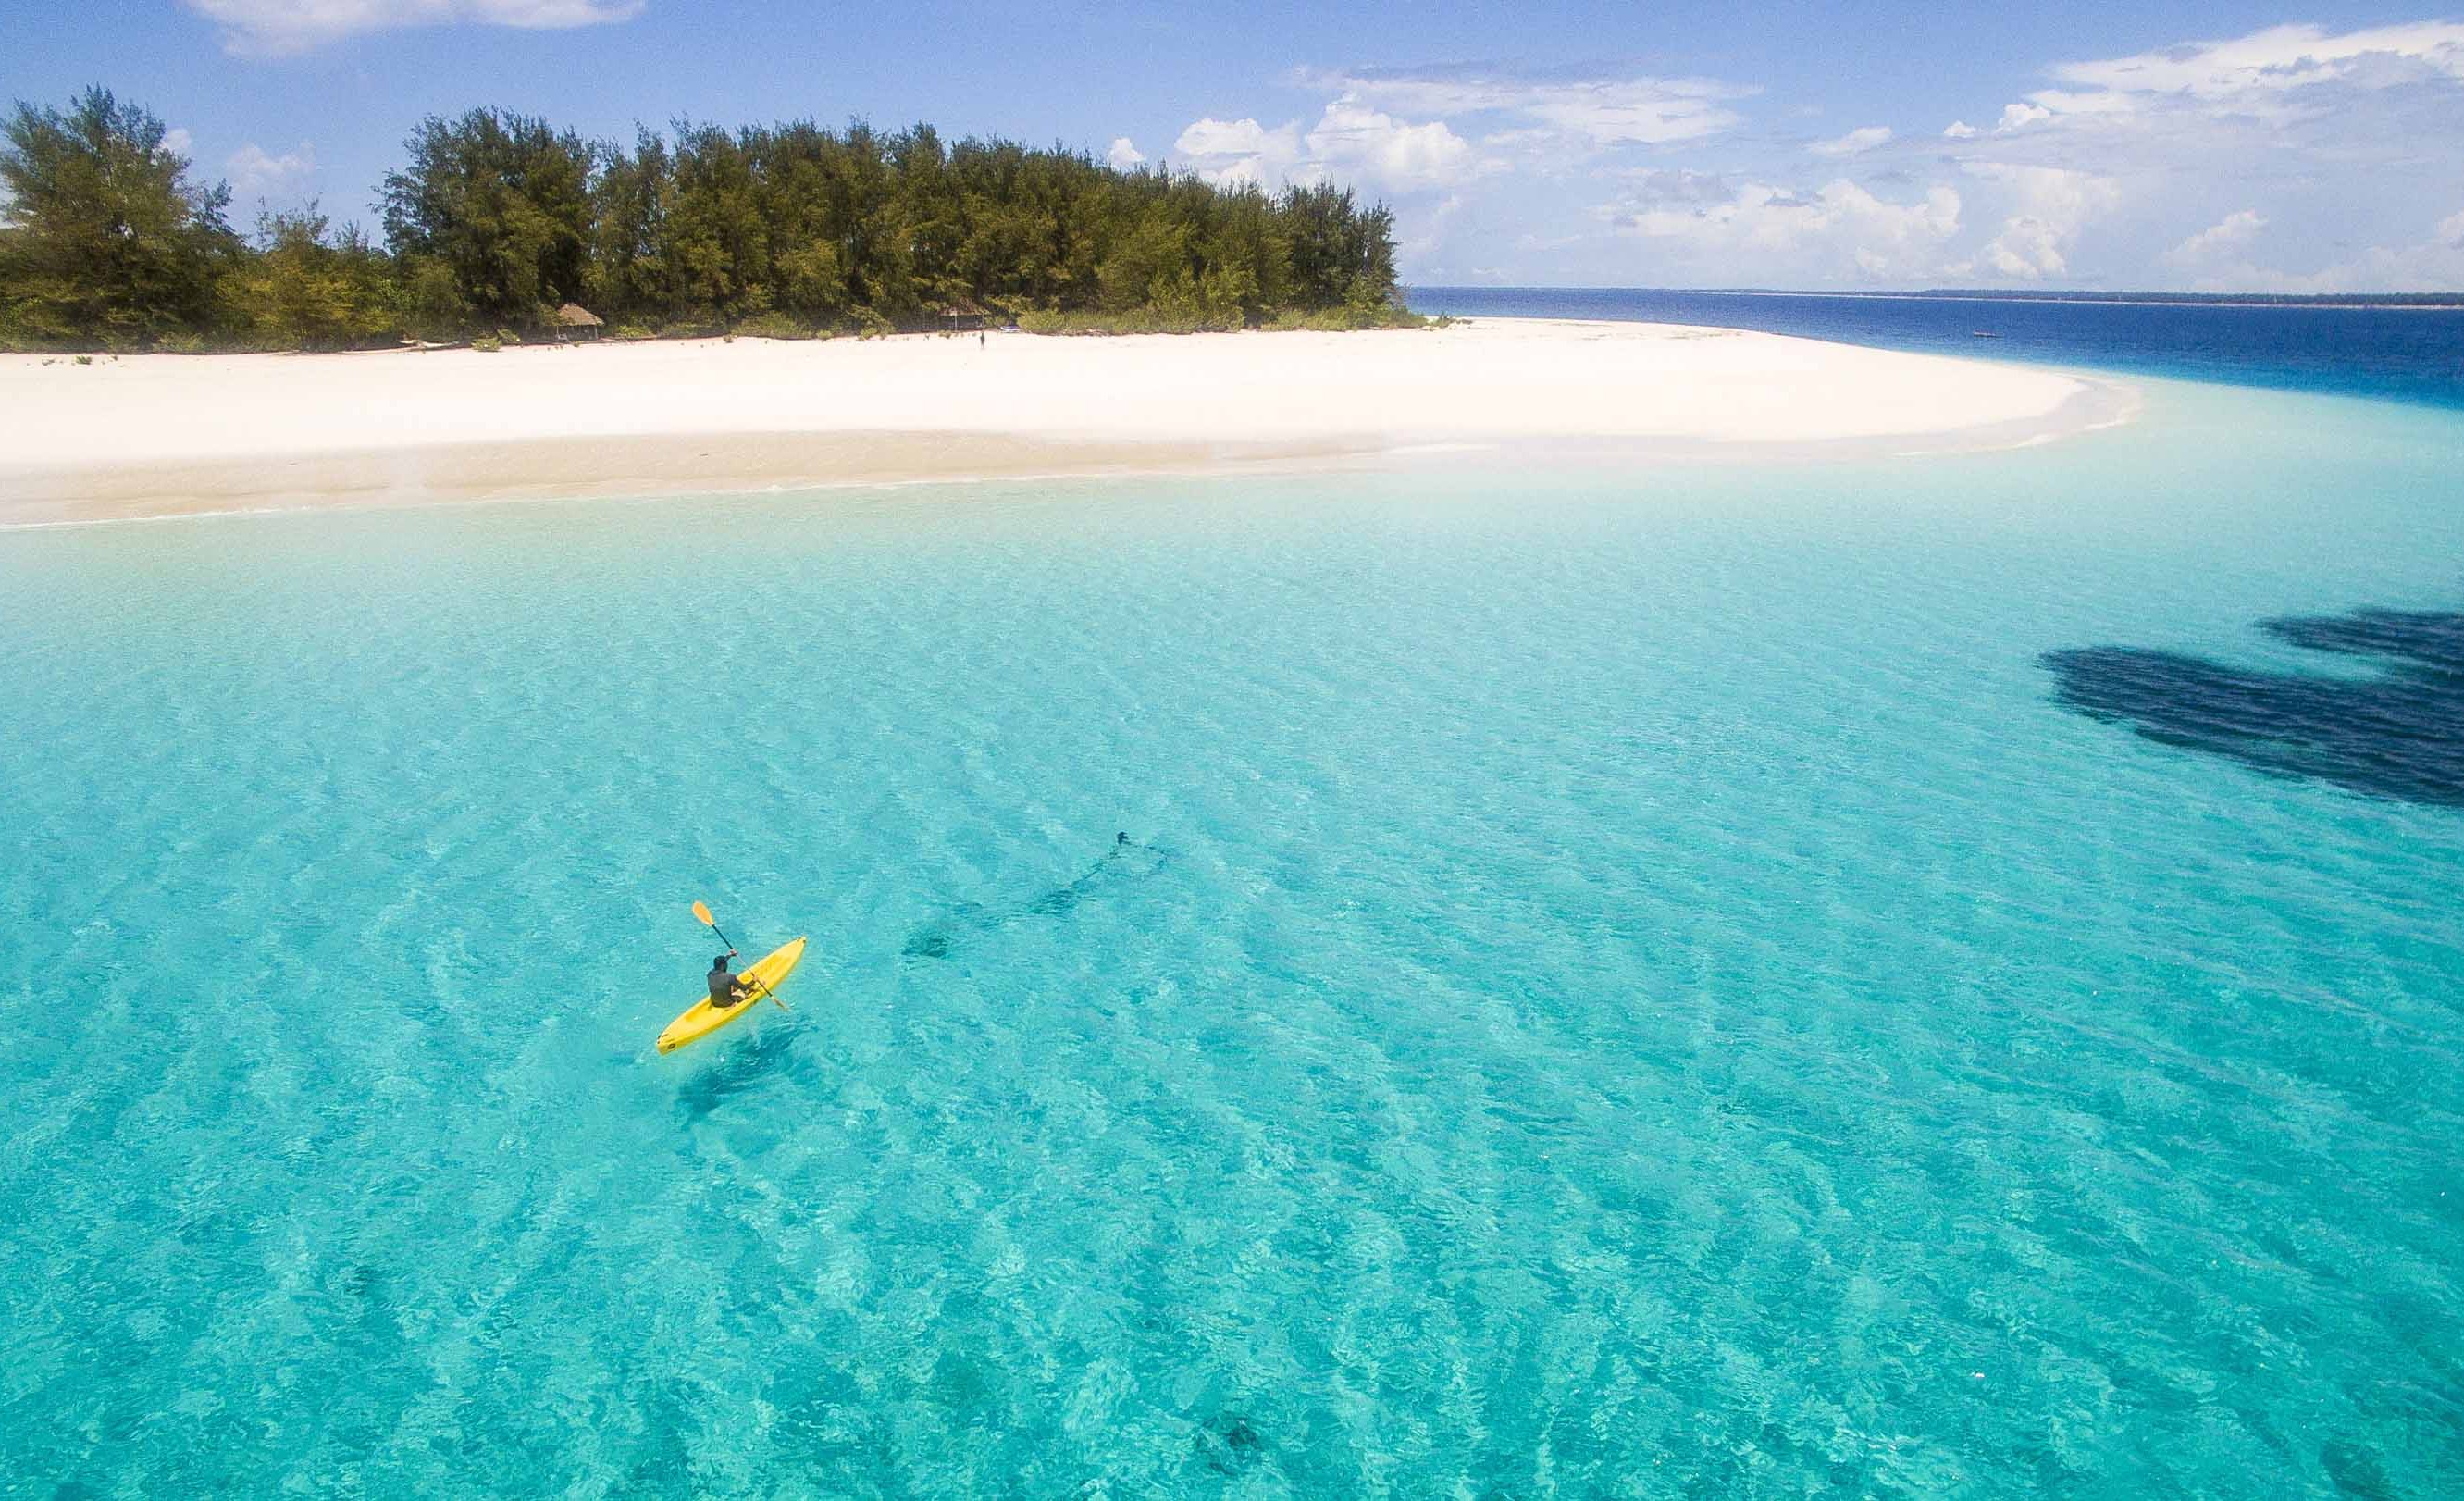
<point>1980,332</point>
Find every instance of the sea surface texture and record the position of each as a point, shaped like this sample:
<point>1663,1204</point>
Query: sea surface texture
<point>1882,978</point>
<point>2408,354</point>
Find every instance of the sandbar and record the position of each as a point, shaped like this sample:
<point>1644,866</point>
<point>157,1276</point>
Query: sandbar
<point>171,434</point>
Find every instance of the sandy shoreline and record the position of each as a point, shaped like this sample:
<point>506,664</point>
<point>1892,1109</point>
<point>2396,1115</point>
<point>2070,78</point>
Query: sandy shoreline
<point>171,434</point>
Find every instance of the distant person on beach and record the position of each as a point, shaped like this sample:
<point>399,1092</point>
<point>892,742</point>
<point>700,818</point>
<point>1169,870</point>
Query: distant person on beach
<point>980,339</point>
<point>725,989</point>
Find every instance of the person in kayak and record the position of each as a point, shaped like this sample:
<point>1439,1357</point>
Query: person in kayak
<point>725,989</point>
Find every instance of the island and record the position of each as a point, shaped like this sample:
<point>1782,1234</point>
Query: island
<point>792,306</point>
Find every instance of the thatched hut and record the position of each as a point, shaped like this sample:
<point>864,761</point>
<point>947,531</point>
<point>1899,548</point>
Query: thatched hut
<point>574,322</point>
<point>966,315</point>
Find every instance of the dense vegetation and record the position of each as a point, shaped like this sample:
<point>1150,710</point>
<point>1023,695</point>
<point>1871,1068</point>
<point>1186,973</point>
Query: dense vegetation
<point>108,241</point>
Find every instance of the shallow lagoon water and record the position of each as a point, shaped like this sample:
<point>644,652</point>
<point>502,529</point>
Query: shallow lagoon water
<point>1621,984</point>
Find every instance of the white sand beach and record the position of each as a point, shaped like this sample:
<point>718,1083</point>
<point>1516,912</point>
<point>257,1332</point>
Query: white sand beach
<point>164,434</point>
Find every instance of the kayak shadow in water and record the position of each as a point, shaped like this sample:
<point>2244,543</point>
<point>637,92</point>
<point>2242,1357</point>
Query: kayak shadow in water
<point>1126,857</point>
<point>749,1065</point>
<point>2397,734</point>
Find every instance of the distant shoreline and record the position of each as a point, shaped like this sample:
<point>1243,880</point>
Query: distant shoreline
<point>2382,301</point>
<point>152,436</point>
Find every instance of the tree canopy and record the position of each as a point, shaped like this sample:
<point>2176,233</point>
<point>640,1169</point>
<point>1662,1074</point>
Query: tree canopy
<point>104,237</point>
<point>496,218</point>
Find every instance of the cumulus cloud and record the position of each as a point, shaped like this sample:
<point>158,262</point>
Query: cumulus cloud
<point>1124,154</point>
<point>2259,76</point>
<point>2018,117</point>
<point>2028,249</point>
<point>179,142</point>
<point>274,28</point>
<point>2052,205</point>
<point>1229,151</point>
<point>1855,142</point>
<point>2325,137</point>
<point>1351,141</point>
<point>2435,264</point>
<point>1392,153</point>
<point>2295,144</point>
<point>256,173</point>
<point>2227,235</point>
<point>1838,229</point>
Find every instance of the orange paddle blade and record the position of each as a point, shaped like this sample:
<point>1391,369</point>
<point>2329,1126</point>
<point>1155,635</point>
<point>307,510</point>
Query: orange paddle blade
<point>703,911</point>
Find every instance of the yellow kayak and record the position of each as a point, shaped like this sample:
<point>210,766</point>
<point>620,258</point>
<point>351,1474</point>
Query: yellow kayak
<point>705,1018</point>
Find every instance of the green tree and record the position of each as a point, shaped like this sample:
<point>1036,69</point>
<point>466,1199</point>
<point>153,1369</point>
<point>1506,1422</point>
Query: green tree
<point>632,265</point>
<point>805,195</point>
<point>1147,262</point>
<point>497,217</point>
<point>504,202</point>
<point>1335,244</point>
<point>717,233</point>
<point>103,237</point>
<point>309,289</point>
<point>433,304</point>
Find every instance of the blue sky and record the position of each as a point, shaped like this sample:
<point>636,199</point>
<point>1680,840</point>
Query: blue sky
<point>2061,145</point>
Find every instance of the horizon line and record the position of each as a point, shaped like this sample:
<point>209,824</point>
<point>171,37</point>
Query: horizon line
<point>2394,300</point>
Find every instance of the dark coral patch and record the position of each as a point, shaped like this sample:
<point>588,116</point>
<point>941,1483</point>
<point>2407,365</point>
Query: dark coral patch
<point>2398,734</point>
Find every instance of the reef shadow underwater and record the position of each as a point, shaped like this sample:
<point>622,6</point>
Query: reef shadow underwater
<point>2397,734</point>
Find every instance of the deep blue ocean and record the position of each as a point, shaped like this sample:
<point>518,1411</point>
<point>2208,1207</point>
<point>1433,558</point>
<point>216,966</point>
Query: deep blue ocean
<point>1901,977</point>
<point>2388,353</point>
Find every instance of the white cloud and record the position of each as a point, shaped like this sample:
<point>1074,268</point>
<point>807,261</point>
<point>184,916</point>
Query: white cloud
<point>1229,151</point>
<point>1389,152</point>
<point>1651,111</point>
<point>2280,58</point>
<point>2255,76</point>
<point>178,141</point>
<point>2052,206</point>
<point>1660,186</point>
<point>1424,238</point>
<point>2018,117</point>
<point>1840,229</point>
<point>1420,136</point>
<point>256,173</point>
<point>2227,235</point>
<point>273,27</point>
<point>1350,140</point>
<point>2027,249</point>
<point>1212,137</point>
<point>1601,110</point>
<point>2433,265</point>
<point>1856,143</point>
<point>1124,154</point>
<point>2327,138</point>
<point>2297,144</point>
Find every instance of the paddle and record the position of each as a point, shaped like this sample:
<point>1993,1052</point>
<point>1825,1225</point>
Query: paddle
<point>701,909</point>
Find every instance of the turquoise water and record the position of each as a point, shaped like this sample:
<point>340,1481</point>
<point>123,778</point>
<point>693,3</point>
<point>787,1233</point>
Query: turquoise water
<point>1619,985</point>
